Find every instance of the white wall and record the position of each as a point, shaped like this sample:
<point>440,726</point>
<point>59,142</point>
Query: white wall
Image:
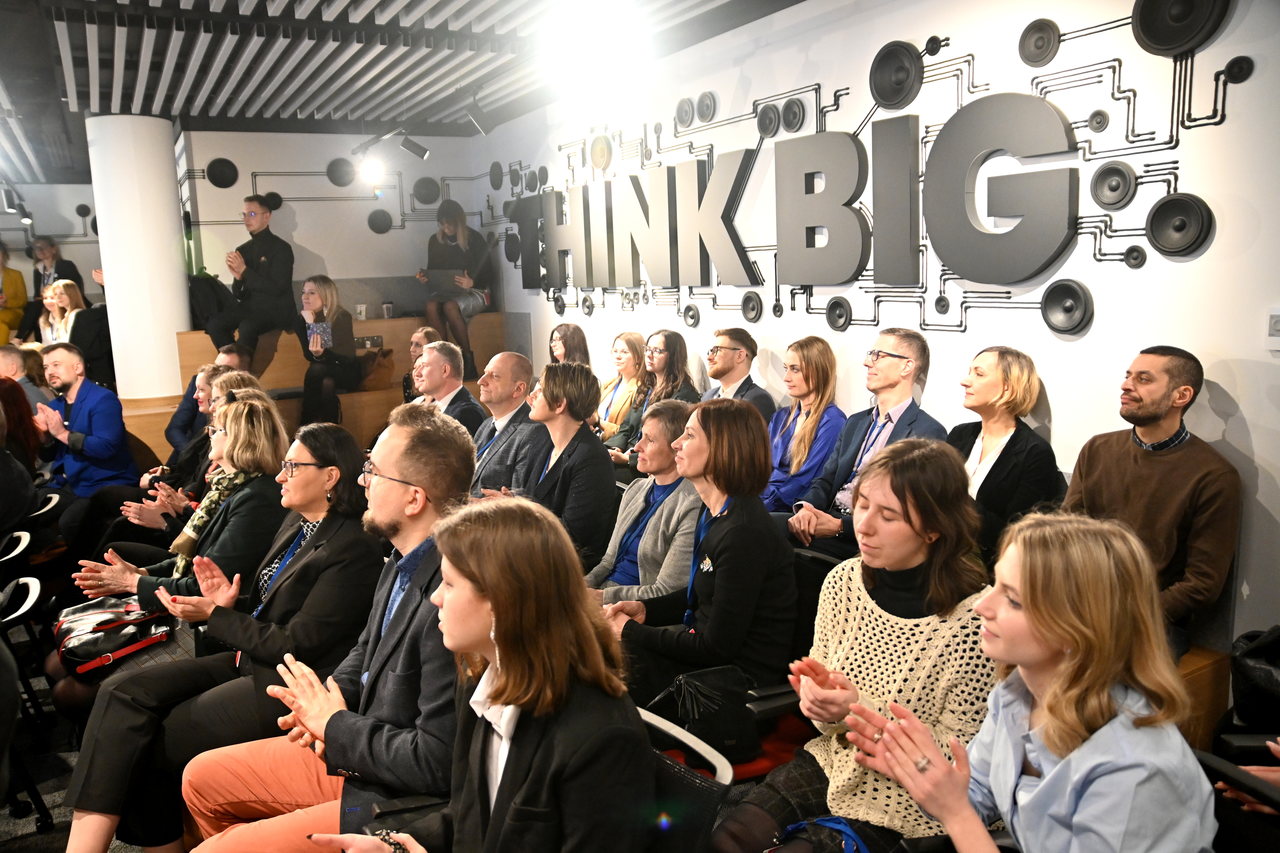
<point>1214,304</point>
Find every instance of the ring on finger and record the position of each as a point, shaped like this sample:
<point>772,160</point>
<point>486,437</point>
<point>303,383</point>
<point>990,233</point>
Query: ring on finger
<point>923,763</point>
<point>875,738</point>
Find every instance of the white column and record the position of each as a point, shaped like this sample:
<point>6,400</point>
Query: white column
<point>135,191</point>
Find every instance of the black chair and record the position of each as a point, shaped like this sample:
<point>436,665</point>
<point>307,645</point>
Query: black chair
<point>1239,829</point>
<point>687,801</point>
<point>29,708</point>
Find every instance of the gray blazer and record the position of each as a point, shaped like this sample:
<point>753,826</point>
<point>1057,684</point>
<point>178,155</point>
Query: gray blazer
<point>666,547</point>
<point>507,455</point>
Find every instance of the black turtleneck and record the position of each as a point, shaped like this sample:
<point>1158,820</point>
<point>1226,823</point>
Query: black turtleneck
<point>900,593</point>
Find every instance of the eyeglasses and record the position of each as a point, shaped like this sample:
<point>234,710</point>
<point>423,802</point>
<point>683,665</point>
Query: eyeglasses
<point>289,467</point>
<point>654,351</point>
<point>211,430</point>
<point>367,471</point>
<point>874,355</point>
<point>715,351</point>
<point>249,214</point>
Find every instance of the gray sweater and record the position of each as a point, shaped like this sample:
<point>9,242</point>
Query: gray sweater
<point>666,548</point>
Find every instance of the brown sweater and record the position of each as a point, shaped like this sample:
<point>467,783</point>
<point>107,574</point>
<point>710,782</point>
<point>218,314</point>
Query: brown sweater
<point>1184,503</point>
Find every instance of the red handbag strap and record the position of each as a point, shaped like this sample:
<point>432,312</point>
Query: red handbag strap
<point>110,657</point>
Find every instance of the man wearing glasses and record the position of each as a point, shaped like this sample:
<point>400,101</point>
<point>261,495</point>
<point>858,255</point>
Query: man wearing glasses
<point>729,363</point>
<point>262,270</point>
<point>822,520</point>
<point>383,726</point>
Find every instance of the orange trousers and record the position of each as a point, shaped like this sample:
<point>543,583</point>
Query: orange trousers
<point>263,795</point>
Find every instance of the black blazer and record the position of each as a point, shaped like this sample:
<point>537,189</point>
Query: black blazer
<point>91,333</point>
<point>236,538</point>
<point>1024,475</point>
<point>466,410</point>
<point>577,779</point>
<point>397,737</point>
<point>838,470</point>
<point>314,610</point>
<point>752,393</point>
<point>508,454</point>
<point>745,600</point>
<point>579,489</point>
<point>266,286</point>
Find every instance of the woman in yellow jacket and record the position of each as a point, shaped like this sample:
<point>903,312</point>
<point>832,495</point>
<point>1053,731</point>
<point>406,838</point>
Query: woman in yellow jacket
<point>13,296</point>
<point>618,394</point>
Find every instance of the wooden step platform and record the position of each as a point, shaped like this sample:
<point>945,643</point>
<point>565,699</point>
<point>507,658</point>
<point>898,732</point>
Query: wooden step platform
<point>1208,678</point>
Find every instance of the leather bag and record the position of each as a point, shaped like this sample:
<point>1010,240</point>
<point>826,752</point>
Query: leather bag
<point>96,636</point>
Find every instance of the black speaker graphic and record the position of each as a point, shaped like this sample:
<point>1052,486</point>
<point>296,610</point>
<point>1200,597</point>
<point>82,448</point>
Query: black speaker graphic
<point>1038,44</point>
<point>839,314</point>
<point>543,176</point>
<point>495,175</point>
<point>587,304</point>
<point>706,106</point>
<point>1099,121</point>
<point>222,173</point>
<point>1239,69</point>
<point>1171,27</point>
<point>379,221</point>
<point>531,181</point>
<point>691,316</point>
<point>1067,306</point>
<point>684,112</point>
<point>792,115</point>
<point>426,190</point>
<point>340,172</point>
<point>1179,224</point>
<point>1114,185</point>
<point>511,246</point>
<point>896,74</point>
<point>768,120</point>
<point>752,307</point>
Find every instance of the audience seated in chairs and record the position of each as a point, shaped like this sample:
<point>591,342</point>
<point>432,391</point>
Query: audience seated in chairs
<point>233,527</point>
<point>542,688</point>
<point>383,726</point>
<point>23,440</point>
<point>652,542</point>
<point>729,362</point>
<point>802,435</point>
<point>438,377</point>
<point>418,341</point>
<point>189,420</point>
<point>15,484</point>
<point>822,520</point>
<point>13,366</point>
<point>325,331</point>
<point>739,605</point>
<point>569,343</point>
<point>503,439</point>
<point>62,301</point>
<point>49,267</point>
<point>1012,470</point>
<point>894,625</point>
<point>13,297</point>
<point>619,393</point>
<point>666,377</point>
<point>1080,748</point>
<point>309,597</point>
<point>568,469</point>
<point>1191,531</point>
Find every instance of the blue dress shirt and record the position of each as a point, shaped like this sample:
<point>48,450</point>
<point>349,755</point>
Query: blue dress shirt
<point>785,488</point>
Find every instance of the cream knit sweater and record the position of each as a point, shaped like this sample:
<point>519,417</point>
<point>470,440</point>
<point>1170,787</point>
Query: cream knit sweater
<point>933,666</point>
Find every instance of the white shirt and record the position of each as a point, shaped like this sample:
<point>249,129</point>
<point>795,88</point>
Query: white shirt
<point>978,467</point>
<point>499,424</point>
<point>502,721</point>
<point>443,402</point>
<point>727,391</point>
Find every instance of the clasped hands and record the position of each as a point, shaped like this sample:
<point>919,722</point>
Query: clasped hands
<point>809,523</point>
<point>49,421</point>
<point>235,264</point>
<point>620,613</point>
<point>215,591</point>
<point>166,500</point>
<point>311,703</point>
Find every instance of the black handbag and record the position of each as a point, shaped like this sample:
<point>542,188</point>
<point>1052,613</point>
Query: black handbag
<point>712,704</point>
<point>96,636</point>
<point>1255,678</point>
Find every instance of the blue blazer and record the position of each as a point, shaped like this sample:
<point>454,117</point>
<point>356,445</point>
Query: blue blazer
<point>98,452</point>
<point>914,423</point>
<point>785,488</point>
<point>752,393</point>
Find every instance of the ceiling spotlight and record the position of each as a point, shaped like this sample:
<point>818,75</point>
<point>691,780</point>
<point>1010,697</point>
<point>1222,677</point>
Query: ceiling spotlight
<point>10,200</point>
<point>418,150</point>
<point>372,170</point>
<point>24,215</point>
<point>374,140</point>
<point>479,117</point>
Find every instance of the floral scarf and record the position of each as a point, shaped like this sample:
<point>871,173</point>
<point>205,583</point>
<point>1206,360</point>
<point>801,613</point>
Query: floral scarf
<point>222,485</point>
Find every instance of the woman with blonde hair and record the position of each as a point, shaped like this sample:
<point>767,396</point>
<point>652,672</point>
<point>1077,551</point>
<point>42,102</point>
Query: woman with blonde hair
<point>619,393</point>
<point>1012,470</point>
<point>13,297</point>
<point>418,341</point>
<point>1080,748</point>
<point>61,301</point>
<point>537,660</point>
<point>325,331</point>
<point>665,377</point>
<point>802,435</point>
<point>457,246</point>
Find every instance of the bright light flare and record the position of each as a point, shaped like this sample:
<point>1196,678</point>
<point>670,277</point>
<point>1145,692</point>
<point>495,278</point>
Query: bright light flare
<point>372,170</point>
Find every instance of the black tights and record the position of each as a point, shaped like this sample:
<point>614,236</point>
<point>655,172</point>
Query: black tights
<point>457,324</point>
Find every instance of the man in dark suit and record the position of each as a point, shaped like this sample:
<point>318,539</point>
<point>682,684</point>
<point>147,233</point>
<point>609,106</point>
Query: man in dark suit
<point>262,269</point>
<point>502,440</point>
<point>729,363</point>
<point>822,520</point>
<point>383,726</point>
<point>438,375</point>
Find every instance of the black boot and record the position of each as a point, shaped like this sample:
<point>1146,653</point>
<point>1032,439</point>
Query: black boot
<point>469,372</point>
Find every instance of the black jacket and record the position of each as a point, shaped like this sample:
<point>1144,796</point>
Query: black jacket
<point>466,410</point>
<point>1024,476</point>
<point>266,285</point>
<point>579,488</point>
<point>578,779</point>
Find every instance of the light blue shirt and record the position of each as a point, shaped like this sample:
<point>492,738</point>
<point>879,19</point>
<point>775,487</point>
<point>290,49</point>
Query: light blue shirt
<point>1126,788</point>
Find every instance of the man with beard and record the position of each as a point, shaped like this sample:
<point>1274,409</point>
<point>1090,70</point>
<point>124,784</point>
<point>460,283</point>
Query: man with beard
<point>83,427</point>
<point>383,726</point>
<point>729,363</point>
<point>1179,495</point>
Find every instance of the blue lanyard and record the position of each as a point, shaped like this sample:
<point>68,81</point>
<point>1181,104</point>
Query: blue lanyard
<point>487,445</point>
<point>851,842</point>
<point>284,561</point>
<point>547,466</point>
<point>705,520</point>
<point>642,522</point>
<point>872,435</point>
<point>604,412</point>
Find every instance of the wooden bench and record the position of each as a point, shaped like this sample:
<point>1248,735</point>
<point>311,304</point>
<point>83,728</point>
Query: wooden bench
<point>1208,677</point>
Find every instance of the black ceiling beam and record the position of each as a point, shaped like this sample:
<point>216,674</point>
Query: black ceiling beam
<point>717,21</point>
<point>313,125</point>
